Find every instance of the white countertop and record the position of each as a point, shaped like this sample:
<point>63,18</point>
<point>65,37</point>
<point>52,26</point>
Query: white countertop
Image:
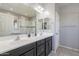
<point>10,43</point>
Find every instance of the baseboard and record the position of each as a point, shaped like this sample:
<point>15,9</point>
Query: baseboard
<point>70,48</point>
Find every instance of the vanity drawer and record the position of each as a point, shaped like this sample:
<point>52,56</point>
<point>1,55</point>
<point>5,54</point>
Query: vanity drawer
<point>40,42</point>
<point>21,50</point>
<point>41,49</point>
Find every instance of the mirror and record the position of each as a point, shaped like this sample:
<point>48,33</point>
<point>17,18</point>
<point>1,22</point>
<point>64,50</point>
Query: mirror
<point>15,20</point>
<point>27,25</point>
<point>6,23</point>
<point>40,23</point>
<point>15,24</point>
<point>24,20</point>
<point>47,25</point>
<point>44,25</point>
<point>10,24</point>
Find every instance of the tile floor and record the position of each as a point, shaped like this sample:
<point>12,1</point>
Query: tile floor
<point>61,51</point>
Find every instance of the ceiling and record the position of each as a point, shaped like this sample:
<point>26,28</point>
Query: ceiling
<point>26,9</point>
<point>67,7</point>
<point>64,5</point>
<point>18,8</point>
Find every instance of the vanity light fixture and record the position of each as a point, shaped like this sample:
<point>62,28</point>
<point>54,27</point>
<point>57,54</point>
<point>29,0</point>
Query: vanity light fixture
<point>39,9</point>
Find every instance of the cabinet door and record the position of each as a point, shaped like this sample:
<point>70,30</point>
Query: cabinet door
<point>42,54</point>
<point>48,46</point>
<point>41,49</point>
<point>30,53</point>
<point>47,49</point>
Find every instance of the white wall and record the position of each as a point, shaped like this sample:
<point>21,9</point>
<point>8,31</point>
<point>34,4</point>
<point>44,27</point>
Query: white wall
<point>54,24</point>
<point>69,26</point>
<point>56,37</point>
<point>51,9</point>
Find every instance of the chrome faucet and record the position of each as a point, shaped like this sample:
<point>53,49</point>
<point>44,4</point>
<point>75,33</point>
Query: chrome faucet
<point>17,38</point>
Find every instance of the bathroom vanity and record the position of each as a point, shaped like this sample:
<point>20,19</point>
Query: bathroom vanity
<point>38,48</point>
<point>24,31</point>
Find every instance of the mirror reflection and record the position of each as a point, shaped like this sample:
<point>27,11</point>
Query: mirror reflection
<point>46,24</point>
<point>22,20</point>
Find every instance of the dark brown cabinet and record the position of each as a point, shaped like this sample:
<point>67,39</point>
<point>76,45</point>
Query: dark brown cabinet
<point>21,50</point>
<point>40,48</point>
<point>30,53</point>
<point>48,45</point>
<point>44,47</point>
